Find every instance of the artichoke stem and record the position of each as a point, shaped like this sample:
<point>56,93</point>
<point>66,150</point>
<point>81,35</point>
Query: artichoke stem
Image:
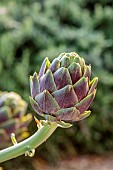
<point>32,142</point>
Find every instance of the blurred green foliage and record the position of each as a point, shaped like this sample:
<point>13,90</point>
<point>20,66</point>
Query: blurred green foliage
<point>31,30</point>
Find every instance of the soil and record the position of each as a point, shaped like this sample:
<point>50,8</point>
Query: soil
<point>80,163</point>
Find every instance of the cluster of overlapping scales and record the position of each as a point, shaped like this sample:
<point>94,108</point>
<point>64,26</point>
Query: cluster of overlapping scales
<point>63,91</point>
<point>13,118</point>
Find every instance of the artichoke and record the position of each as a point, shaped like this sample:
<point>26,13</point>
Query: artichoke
<point>12,119</point>
<point>62,91</point>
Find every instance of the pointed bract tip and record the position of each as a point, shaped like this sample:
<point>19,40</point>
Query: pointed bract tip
<point>84,115</point>
<point>70,87</point>
<point>63,124</point>
<point>35,74</point>
<point>89,66</point>
<point>31,78</point>
<point>47,62</point>
<point>48,72</point>
<point>45,91</point>
<point>46,58</point>
<point>96,79</point>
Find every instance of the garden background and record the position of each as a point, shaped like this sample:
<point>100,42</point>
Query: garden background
<point>31,30</point>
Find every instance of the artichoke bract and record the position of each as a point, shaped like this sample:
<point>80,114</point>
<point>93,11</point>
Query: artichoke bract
<point>63,91</point>
<point>13,118</point>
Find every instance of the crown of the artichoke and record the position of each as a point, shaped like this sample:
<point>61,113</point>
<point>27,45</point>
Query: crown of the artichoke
<point>13,118</point>
<point>62,90</point>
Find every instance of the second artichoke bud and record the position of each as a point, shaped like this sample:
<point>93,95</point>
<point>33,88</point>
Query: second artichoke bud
<point>63,90</point>
<point>12,118</point>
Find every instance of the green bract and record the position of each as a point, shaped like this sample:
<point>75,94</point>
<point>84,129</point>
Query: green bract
<point>13,118</point>
<point>63,91</point>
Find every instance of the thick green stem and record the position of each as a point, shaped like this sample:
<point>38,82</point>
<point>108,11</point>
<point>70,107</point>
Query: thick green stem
<point>32,142</point>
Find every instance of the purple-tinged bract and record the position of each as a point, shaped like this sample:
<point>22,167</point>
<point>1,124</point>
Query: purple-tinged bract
<point>63,91</point>
<point>12,118</point>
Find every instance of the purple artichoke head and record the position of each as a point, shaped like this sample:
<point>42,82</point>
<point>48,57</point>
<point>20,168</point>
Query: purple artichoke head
<point>63,91</point>
<point>12,118</point>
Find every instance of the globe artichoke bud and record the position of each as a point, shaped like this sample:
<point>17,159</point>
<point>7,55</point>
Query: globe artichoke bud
<point>63,91</point>
<point>13,118</point>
